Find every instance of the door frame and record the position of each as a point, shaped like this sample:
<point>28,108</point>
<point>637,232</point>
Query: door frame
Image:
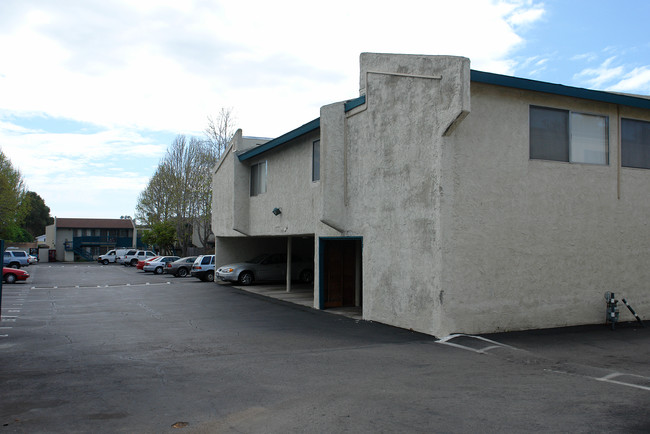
<point>321,268</point>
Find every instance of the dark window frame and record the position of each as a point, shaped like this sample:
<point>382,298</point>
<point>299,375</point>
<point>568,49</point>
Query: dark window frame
<point>258,178</point>
<point>635,143</point>
<point>315,161</point>
<point>552,134</point>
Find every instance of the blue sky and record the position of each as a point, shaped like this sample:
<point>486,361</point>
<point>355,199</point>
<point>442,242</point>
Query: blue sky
<point>93,92</point>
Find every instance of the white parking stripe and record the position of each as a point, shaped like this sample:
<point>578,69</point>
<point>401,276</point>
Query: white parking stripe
<point>104,286</point>
<point>446,341</point>
<point>613,378</point>
<point>609,379</point>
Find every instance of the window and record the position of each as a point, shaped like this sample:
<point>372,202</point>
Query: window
<point>561,135</point>
<point>635,143</point>
<point>258,178</point>
<point>315,161</point>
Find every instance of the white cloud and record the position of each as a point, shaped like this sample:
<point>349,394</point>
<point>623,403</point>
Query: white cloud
<point>525,13</point>
<point>73,171</point>
<point>616,76</point>
<point>589,57</point>
<point>637,80</point>
<point>132,68</point>
<point>160,66</point>
<point>598,77</point>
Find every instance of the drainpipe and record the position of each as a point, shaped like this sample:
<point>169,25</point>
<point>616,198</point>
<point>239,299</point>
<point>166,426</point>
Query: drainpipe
<point>618,152</point>
<point>288,264</point>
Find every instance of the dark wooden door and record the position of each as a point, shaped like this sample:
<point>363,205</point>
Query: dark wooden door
<point>340,273</point>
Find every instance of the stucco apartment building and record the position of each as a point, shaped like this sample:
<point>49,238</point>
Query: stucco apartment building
<point>88,238</point>
<point>447,200</point>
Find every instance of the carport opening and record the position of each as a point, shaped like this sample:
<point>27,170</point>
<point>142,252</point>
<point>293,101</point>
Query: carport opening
<point>340,272</point>
<point>276,250</point>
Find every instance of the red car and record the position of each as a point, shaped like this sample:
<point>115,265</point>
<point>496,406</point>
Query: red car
<point>142,263</point>
<point>12,275</point>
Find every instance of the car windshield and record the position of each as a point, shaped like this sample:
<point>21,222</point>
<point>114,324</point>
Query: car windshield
<point>257,259</point>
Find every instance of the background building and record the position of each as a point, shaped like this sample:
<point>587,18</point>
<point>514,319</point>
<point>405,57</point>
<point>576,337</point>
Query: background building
<point>74,238</point>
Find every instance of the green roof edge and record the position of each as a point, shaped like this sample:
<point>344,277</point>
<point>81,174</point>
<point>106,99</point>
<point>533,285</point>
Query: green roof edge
<point>479,77</point>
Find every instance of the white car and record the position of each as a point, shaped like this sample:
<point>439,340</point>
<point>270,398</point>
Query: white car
<point>139,255</point>
<point>111,256</point>
<point>121,259</point>
<point>158,265</point>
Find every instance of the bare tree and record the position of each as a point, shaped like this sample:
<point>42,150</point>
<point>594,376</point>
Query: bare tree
<point>154,202</point>
<point>219,131</point>
<point>181,189</point>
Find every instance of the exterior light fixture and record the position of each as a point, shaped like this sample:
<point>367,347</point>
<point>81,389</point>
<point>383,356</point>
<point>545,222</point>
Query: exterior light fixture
<point>277,211</point>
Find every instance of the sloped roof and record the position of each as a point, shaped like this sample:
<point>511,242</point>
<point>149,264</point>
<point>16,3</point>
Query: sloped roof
<point>640,101</point>
<point>69,223</point>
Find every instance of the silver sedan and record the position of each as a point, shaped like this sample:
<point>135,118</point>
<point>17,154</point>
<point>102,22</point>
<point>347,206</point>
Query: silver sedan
<point>266,267</point>
<point>158,266</point>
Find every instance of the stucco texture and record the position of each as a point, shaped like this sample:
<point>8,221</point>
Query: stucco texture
<point>532,243</point>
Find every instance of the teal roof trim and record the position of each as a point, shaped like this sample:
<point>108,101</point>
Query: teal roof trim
<point>294,134</point>
<point>287,137</point>
<point>479,77</point>
<point>354,103</point>
<point>558,89</point>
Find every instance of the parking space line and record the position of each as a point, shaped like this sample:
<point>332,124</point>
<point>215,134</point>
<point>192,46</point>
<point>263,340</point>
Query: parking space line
<point>610,379</point>
<point>103,286</point>
<point>446,341</point>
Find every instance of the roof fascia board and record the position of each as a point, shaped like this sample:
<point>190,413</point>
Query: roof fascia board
<point>558,89</point>
<point>291,135</point>
<point>294,134</point>
<point>354,103</point>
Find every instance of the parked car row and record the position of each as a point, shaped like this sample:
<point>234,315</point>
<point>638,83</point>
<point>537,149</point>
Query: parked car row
<point>149,261</point>
<point>263,268</point>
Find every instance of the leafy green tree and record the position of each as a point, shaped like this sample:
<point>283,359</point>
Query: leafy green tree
<point>38,216</point>
<point>161,235</point>
<point>13,207</point>
<point>18,235</point>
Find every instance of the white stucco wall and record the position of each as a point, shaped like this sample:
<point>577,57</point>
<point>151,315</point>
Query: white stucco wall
<point>462,232</point>
<point>245,226</point>
<point>63,235</point>
<point>223,196</point>
<point>531,243</point>
<point>394,151</point>
<point>288,187</point>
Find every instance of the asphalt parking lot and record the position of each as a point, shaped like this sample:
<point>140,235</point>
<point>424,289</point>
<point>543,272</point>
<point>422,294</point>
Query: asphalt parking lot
<point>91,348</point>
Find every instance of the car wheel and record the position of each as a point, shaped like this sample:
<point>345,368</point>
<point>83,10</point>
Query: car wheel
<point>209,276</point>
<point>182,272</point>
<point>105,262</point>
<point>246,278</point>
<point>15,265</point>
<point>10,278</point>
<point>159,270</point>
<point>134,262</point>
<point>306,276</point>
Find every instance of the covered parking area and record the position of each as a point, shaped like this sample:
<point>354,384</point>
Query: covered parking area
<point>231,250</point>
